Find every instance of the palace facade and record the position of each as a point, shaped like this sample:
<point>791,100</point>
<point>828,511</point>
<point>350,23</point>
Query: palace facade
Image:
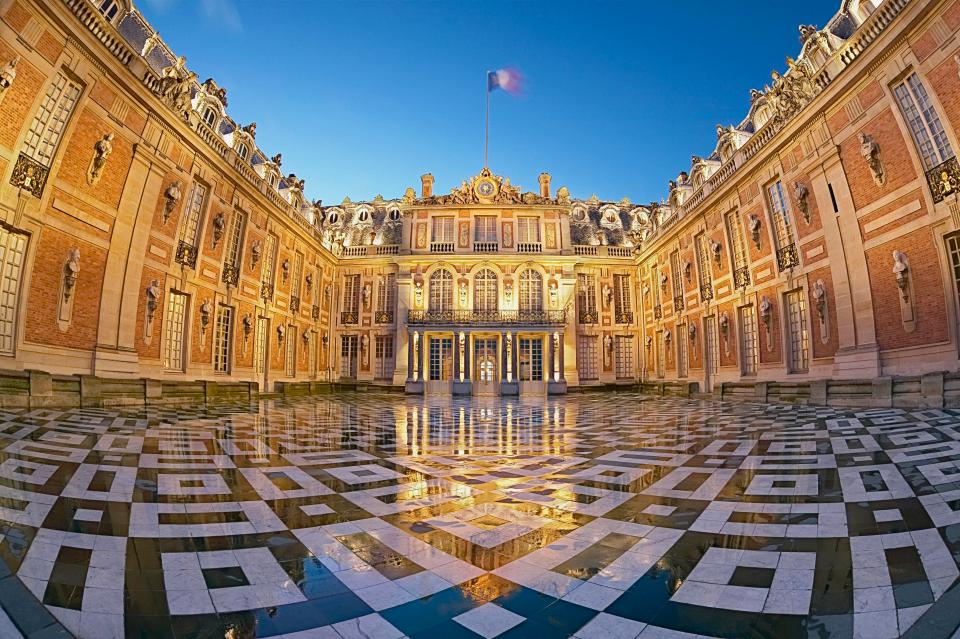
<point>144,234</point>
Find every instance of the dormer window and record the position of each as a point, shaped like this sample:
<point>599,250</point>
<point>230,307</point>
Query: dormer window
<point>210,116</point>
<point>333,218</point>
<point>109,9</point>
<point>243,151</point>
<point>363,216</point>
<point>274,181</point>
<point>394,215</point>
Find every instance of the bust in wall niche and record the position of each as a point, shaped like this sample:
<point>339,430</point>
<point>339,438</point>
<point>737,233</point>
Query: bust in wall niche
<point>101,151</point>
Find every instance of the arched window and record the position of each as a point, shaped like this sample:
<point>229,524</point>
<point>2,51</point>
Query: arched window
<point>531,291</point>
<point>243,151</point>
<point>441,291</point>
<point>209,116</point>
<point>485,291</point>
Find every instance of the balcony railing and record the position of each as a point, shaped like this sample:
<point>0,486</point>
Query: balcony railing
<point>787,257</point>
<point>349,317</point>
<point>487,317</point>
<point>266,290</point>
<point>384,317</point>
<point>442,247</point>
<point>944,179</point>
<point>294,304</point>
<point>741,277</point>
<point>354,251</point>
<point>486,247</point>
<point>588,317</point>
<point>230,275</point>
<point>315,312</point>
<point>186,254</point>
<point>387,249</point>
<point>678,302</point>
<point>529,247</point>
<point>657,312</point>
<point>625,317</point>
<point>602,251</point>
<point>706,291</point>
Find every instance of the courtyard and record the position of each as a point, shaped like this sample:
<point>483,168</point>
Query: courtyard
<point>381,515</point>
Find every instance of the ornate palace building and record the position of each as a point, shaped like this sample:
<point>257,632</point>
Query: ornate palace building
<point>150,248</point>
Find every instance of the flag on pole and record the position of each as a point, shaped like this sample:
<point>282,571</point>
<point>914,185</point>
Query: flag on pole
<point>508,79</point>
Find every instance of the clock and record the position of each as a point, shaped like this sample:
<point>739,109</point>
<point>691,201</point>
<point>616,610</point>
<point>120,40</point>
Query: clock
<point>486,188</point>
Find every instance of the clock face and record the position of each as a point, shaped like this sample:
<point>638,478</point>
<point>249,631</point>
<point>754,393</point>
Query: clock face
<point>486,188</point>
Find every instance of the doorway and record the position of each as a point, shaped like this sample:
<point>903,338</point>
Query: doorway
<point>530,366</point>
<point>485,366</point>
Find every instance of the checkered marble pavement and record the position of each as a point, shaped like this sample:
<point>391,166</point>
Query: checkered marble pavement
<point>377,516</point>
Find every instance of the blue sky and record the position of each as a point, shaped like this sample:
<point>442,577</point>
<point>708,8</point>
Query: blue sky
<point>363,97</point>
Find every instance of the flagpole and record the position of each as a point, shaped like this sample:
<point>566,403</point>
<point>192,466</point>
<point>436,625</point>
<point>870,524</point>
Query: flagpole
<point>486,131</point>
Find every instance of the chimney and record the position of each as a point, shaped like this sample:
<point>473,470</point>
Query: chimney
<point>426,182</point>
<point>545,185</point>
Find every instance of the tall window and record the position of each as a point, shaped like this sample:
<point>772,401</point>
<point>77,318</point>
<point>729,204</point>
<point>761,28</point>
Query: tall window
<point>485,228</point>
<point>386,297</point>
<point>528,229</point>
<point>351,294</point>
<point>531,291</point>
<point>441,358</point>
<point>661,354</point>
<point>297,275</point>
<point>190,225</point>
<point>621,299</point>
<point>682,350</point>
<point>786,252</point>
<point>677,277</point>
<point>924,122</point>
<point>109,8</point>
<point>269,260</point>
<point>797,327</point>
<point>349,347</point>
<point>174,328</point>
<point>738,252</point>
<point>51,119</point>
<point>587,357</point>
<point>260,346</point>
<point>485,291</point>
<point>443,229</point>
<point>703,266</point>
<point>384,357</point>
<point>291,351</point>
<point>530,359</point>
<point>587,298</point>
<point>13,246</point>
<point>312,353</point>
<point>235,239</point>
<point>441,290</point>
<point>623,356</point>
<point>748,340</point>
<point>655,284</point>
<point>223,330</point>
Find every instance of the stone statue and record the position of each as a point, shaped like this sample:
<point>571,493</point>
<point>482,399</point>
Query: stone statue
<point>153,299</point>
<point>251,129</point>
<point>802,194</point>
<point>7,75</point>
<point>101,151</point>
<point>206,310</point>
<point>170,199</point>
<point>149,44</point>
<point>820,299</point>
<point>256,250</point>
<point>753,223</point>
<point>409,195</point>
<point>900,271</point>
<point>219,222</point>
<point>71,271</point>
<point>176,87</point>
<point>247,327</point>
<point>870,152</point>
<point>563,195</point>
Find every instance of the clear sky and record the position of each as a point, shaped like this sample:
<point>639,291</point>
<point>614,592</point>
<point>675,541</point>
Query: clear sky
<point>363,97</point>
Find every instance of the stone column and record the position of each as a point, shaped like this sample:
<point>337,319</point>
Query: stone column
<point>465,359</point>
<point>411,372</point>
<point>457,358</point>
<point>556,345</point>
<point>415,363</point>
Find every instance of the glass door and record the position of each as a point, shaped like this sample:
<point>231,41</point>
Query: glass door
<point>530,366</point>
<point>485,366</point>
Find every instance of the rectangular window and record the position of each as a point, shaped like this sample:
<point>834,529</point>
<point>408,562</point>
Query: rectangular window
<point>235,239</point>
<point>297,275</point>
<point>51,119</point>
<point>13,247</point>
<point>587,357</point>
<point>443,229</point>
<point>797,327</point>
<point>953,250</point>
<point>677,277</point>
<point>621,299</point>
<point>703,266</point>
<point>190,225</point>
<point>587,298</point>
<point>623,356</point>
<point>223,330</point>
<point>485,228</point>
<point>386,297</point>
<point>351,294</point>
<point>260,346</point>
<point>530,359</point>
<point>291,351</point>
<point>312,353</point>
<point>661,353</point>
<point>712,345</point>
<point>738,250</point>
<point>384,357</point>
<point>528,229</point>
<point>682,349</point>
<point>348,356</point>
<point>924,122</point>
<point>748,340</point>
<point>174,328</point>
<point>269,260</point>
<point>655,284</point>
<point>783,235</point>
<point>441,358</point>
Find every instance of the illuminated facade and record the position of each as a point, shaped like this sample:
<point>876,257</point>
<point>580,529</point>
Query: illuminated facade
<point>146,236</point>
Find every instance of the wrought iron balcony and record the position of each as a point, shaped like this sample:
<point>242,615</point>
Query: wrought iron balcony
<point>625,317</point>
<point>487,318</point>
<point>678,302</point>
<point>706,291</point>
<point>349,317</point>
<point>657,312</point>
<point>315,312</point>
<point>741,277</point>
<point>787,257</point>
<point>588,317</point>
<point>266,290</point>
<point>231,274</point>
<point>384,317</point>
<point>944,179</point>
<point>186,254</point>
<point>294,304</point>
<point>29,175</point>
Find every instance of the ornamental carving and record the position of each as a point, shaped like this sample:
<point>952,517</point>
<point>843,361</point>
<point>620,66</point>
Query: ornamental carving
<point>71,271</point>
<point>101,151</point>
<point>870,152</point>
<point>29,175</point>
<point>901,270</point>
<point>787,93</point>
<point>176,87</point>
<point>487,188</point>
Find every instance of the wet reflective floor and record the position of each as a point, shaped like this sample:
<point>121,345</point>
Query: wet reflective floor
<point>368,515</point>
